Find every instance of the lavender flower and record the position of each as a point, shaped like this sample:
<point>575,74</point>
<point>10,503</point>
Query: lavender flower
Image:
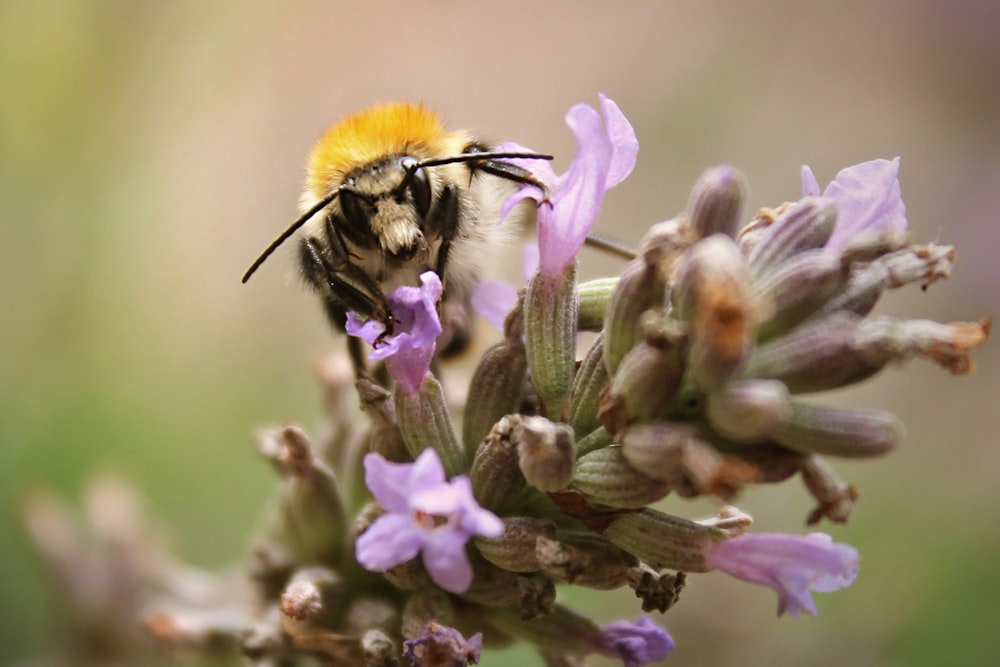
<point>410,348</point>
<point>790,564</point>
<point>605,156</point>
<point>868,199</point>
<point>635,644</point>
<point>424,514</point>
<point>442,646</point>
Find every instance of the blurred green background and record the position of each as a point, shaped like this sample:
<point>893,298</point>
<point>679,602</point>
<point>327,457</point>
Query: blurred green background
<point>150,150</point>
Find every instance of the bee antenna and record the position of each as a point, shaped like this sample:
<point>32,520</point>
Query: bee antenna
<point>482,155</point>
<point>284,236</point>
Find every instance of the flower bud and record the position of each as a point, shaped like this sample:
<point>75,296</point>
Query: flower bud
<point>496,474</point>
<point>515,550</point>
<point>495,390</point>
<point>545,451</point>
<point>596,439</point>
<point>594,297</point>
<point>673,454</point>
<point>804,225</point>
<point>663,540</point>
<point>591,379</point>
<point>842,348</point>
<point>748,411</point>
<point>424,422</point>
<point>838,432</point>
<point>647,379</point>
<point>311,506</point>
<point>798,287</point>
<point>924,264</point>
<point>550,315</point>
<point>713,297</point>
<point>642,287</point>
<point>717,201</point>
<point>605,477</point>
<point>585,559</point>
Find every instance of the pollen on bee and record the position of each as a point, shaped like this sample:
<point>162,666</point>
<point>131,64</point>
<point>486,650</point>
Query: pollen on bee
<point>364,137</point>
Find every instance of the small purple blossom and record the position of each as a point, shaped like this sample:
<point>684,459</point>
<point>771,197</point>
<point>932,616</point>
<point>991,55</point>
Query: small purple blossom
<point>410,348</point>
<point>442,646</point>
<point>635,644</point>
<point>605,156</point>
<point>793,565</point>
<point>425,514</point>
<point>868,199</point>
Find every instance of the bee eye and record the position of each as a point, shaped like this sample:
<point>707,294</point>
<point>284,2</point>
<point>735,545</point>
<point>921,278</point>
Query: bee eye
<point>418,184</point>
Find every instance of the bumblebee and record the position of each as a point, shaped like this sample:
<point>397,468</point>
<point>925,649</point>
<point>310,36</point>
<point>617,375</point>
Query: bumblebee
<point>390,193</point>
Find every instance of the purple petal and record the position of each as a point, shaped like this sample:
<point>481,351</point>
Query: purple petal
<point>635,644</point>
<point>493,300</point>
<point>868,201</point>
<point>446,561</point>
<point>390,541</point>
<point>368,331</point>
<point>473,519</point>
<point>790,564</point>
<point>392,484</point>
<point>810,186</point>
<point>624,141</point>
<point>579,194</point>
<point>526,192</point>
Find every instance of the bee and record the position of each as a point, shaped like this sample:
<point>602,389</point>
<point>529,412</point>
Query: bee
<point>390,193</point>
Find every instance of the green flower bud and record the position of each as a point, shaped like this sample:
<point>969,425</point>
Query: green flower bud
<point>496,475</point>
<point>591,379</point>
<point>647,379</point>
<point>594,297</point>
<point>496,390</point>
<point>550,316</point>
<point>515,550</point>
<point>605,477</point>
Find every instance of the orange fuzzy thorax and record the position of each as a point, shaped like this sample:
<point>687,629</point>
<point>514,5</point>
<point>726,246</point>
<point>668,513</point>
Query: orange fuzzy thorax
<point>396,128</point>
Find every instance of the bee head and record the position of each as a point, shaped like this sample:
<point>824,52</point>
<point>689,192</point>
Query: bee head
<point>385,205</point>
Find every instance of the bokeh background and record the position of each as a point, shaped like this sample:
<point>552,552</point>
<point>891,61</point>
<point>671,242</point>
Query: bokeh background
<point>148,151</point>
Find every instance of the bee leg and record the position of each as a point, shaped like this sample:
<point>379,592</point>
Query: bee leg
<point>338,297</point>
